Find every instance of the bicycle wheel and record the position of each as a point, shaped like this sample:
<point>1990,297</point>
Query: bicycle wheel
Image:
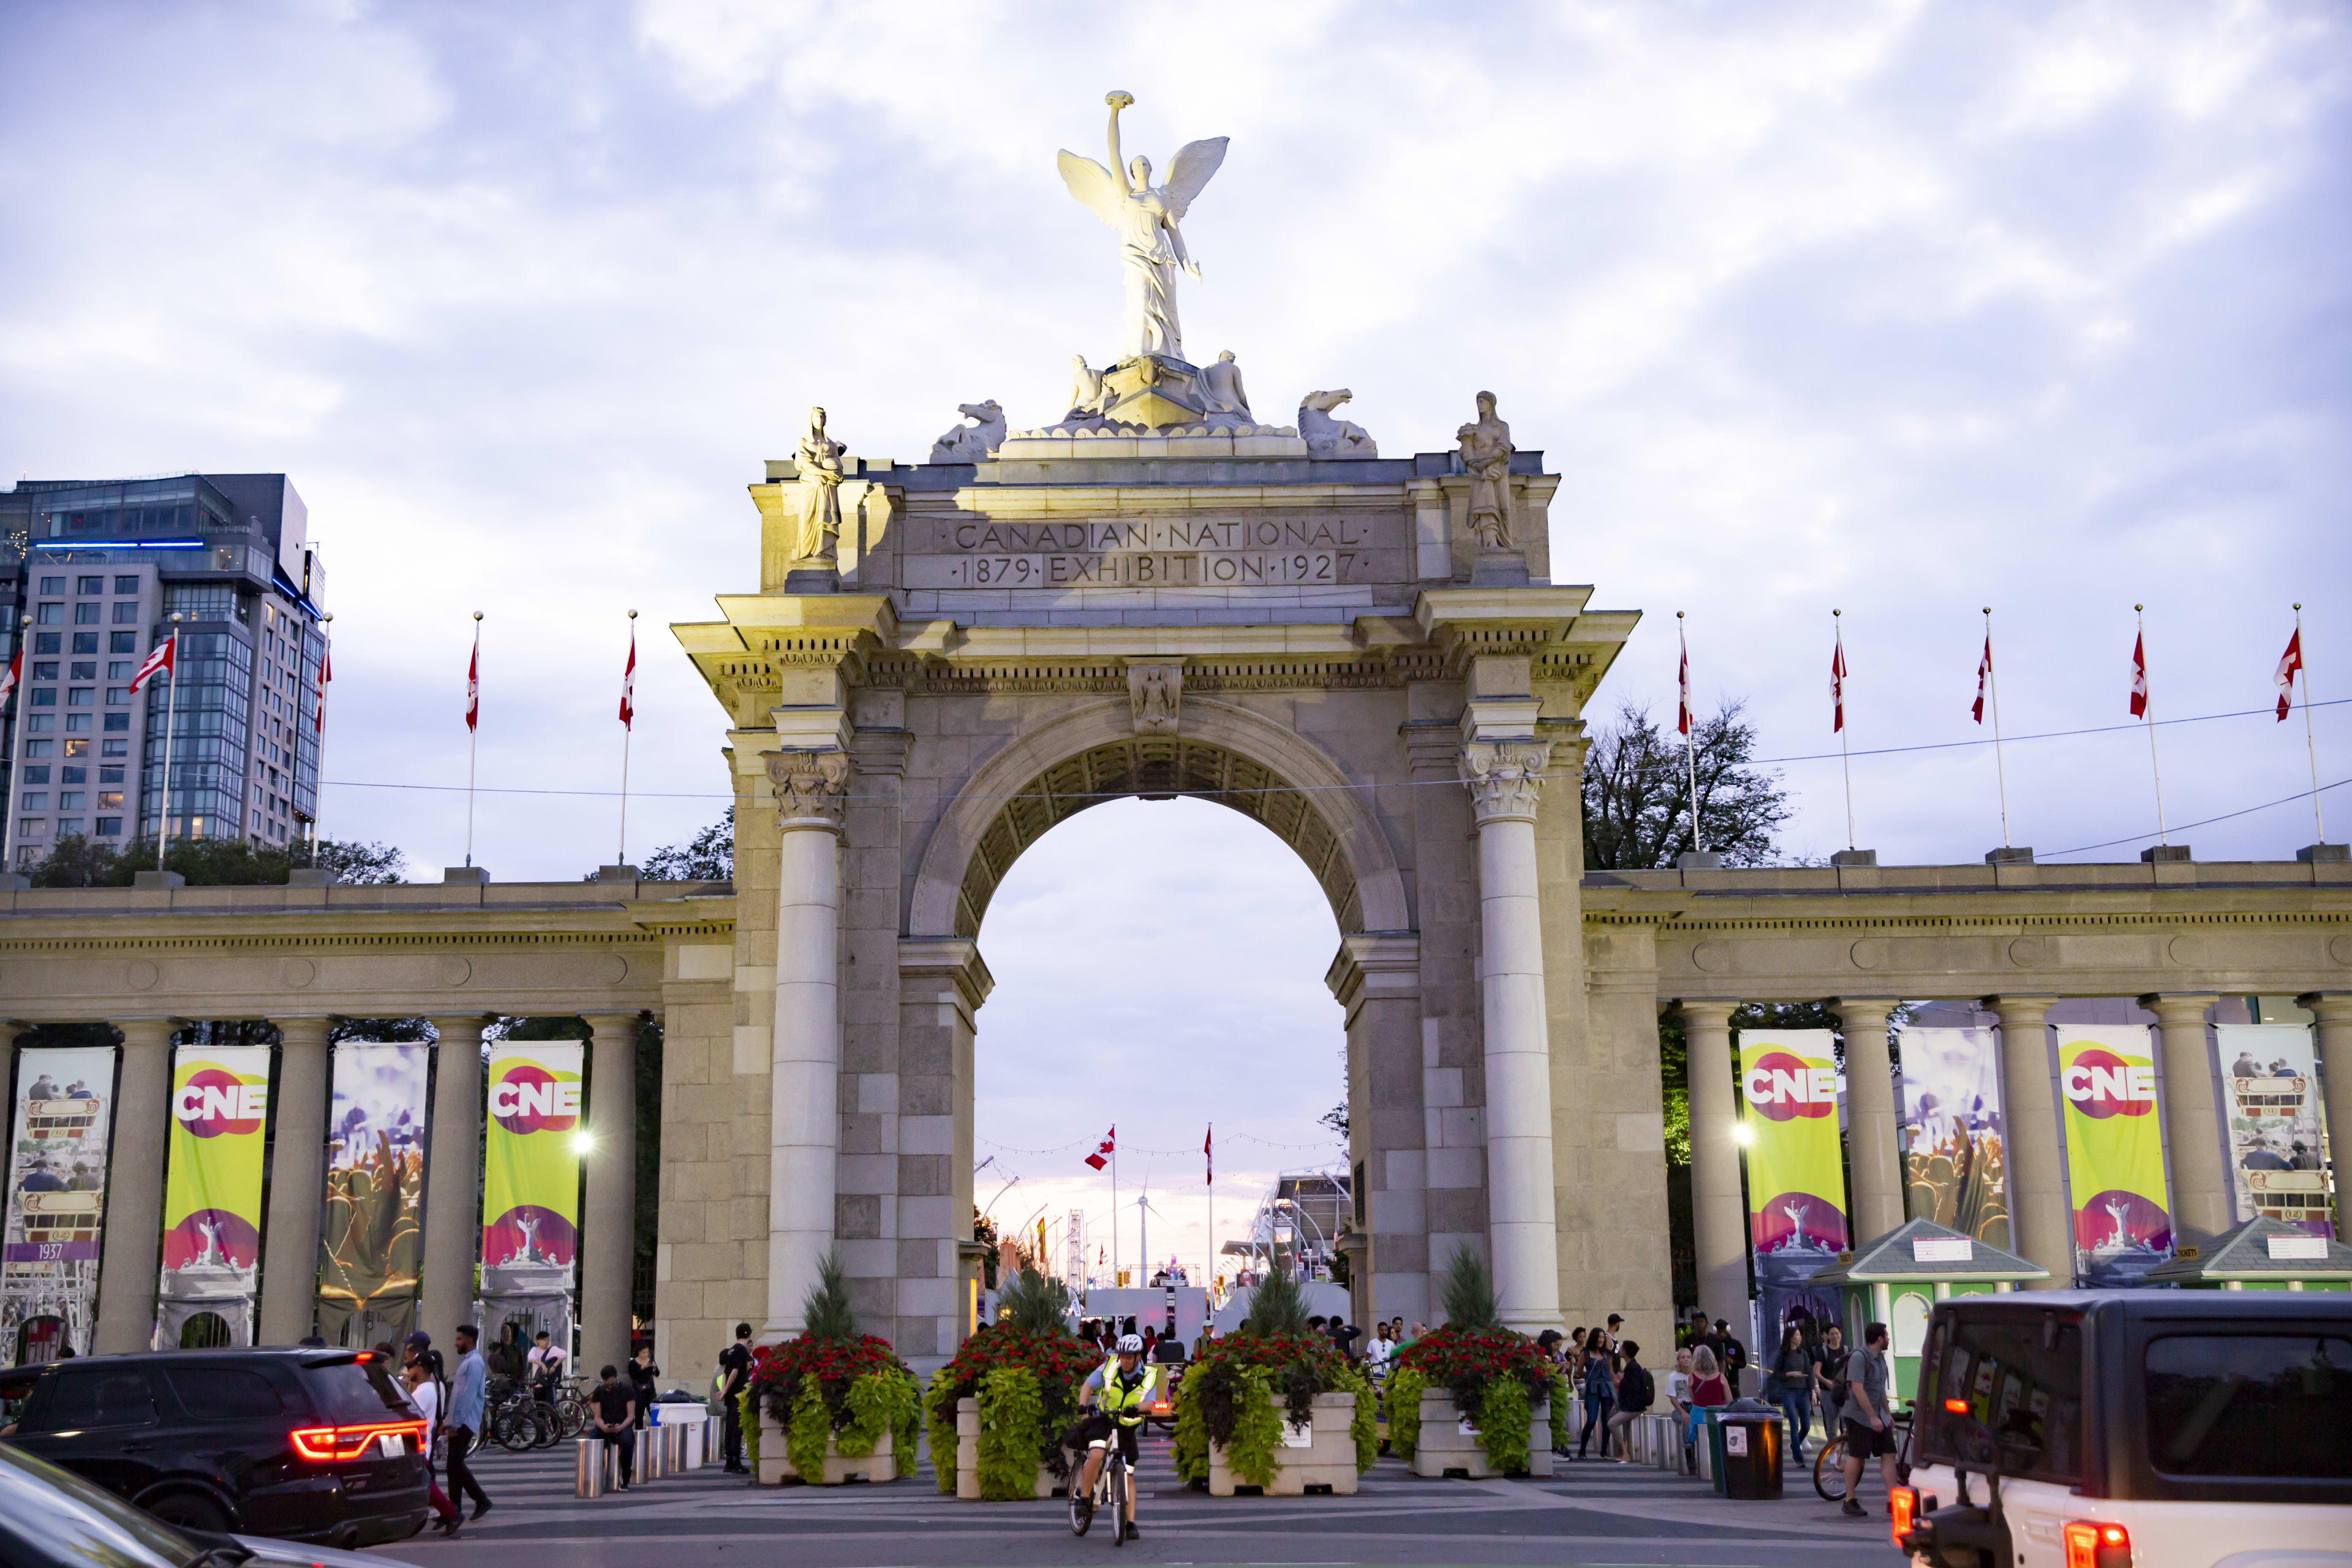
<point>1082,1507</point>
<point>508,1430</point>
<point>1118,1510</point>
<point>547,1427</point>
<point>1829,1470</point>
<point>572,1415</point>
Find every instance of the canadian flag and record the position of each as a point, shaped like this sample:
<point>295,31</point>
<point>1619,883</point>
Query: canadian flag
<point>474,681</point>
<point>1208,1158</point>
<point>1101,1156</point>
<point>160,662</point>
<point>1984,670</point>
<point>2290,664</point>
<point>326,673</point>
<point>1683,709</point>
<point>629,684</point>
<point>2139,677</point>
<point>1837,686</point>
<point>16,671</point>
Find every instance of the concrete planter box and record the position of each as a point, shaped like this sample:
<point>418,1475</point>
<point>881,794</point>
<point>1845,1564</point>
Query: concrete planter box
<point>968,1455</point>
<point>1328,1459</point>
<point>1442,1446</point>
<point>775,1469</point>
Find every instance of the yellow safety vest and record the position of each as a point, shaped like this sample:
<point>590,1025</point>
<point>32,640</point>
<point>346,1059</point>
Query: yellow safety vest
<point>1122,1403</point>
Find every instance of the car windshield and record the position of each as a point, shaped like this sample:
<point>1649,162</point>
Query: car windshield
<point>56,1515</point>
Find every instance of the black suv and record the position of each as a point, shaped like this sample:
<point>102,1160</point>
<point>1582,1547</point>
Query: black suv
<point>308,1445</point>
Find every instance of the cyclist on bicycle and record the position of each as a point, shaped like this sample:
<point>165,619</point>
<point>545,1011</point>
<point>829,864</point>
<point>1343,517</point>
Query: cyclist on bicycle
<point>1118,1394</point>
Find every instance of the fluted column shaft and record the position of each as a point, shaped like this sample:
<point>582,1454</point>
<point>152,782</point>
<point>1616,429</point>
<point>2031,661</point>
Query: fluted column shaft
<point>1718,1213</point>
<point>130,1259</point>
<point>2202,1205</point>
<point>297,1172</point>
<point>452,1180</point>
<point>2044,1230</point>
<point>2333,1012</point>
<point>608,1236</point>
<point>1874,1130</point>
<point>805,1128</point>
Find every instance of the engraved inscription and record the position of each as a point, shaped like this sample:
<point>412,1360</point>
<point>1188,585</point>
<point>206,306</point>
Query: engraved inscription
<point>1176,552</point>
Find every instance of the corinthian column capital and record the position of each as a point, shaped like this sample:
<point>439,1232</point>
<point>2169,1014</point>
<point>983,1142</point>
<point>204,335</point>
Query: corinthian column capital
<point>811,787</point>
<point>1505,778</point>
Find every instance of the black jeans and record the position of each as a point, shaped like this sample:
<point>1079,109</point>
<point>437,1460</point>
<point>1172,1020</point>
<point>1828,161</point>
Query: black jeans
<point>1596,1414</point>
<point>625,1463</point>
<point>462,1484</point>
<point>731,1443</point>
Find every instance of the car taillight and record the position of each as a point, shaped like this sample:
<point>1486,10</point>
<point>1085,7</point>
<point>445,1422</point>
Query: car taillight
<point>1903,1505</point>
<point>2092,1545</point>
<point>1957,1406</point>
<point>332,1444</point>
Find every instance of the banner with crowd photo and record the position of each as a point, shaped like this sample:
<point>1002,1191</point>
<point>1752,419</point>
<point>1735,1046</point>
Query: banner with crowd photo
<point>1789,1090</point>
<point>530,1187</point>
<point>212,1195</point>
<point>2278,1156</point>
<point>2114,1152</point>
<point>49,1246</point>
<point>1955,1142</point>
<point>371,1241</point>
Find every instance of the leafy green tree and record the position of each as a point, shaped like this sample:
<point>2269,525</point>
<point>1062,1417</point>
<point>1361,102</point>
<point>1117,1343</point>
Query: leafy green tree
<point>825,1311</point>
<point>707,857</point>
<point>1469,1296</point>
<point>79,862</point>
<point>1637,794</point>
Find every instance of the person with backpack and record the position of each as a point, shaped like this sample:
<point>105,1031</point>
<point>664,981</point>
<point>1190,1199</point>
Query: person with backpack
<point>1789,1382</point>
<point>1636,1392</point>
<point>1600,1394</point>
<point>1829,1375</point>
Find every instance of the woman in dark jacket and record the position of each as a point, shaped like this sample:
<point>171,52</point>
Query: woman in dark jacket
<point>1790,1381</point>
<point>1599,1396</point>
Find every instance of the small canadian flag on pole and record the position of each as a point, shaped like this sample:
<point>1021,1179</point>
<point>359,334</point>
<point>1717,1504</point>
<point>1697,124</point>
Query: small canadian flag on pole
<point>1837,687</point>
<point>1683,704</point>
<point>474,682</point>
<point>159,662</point>
<point>16,672</point>
<point>2290,664</point>
<point>326,674</point>
<point>2139,677</point>
<point>1101,1156</point>
<point>629,683</point>
<point>1984,670</point>
<point>1209,1158</point>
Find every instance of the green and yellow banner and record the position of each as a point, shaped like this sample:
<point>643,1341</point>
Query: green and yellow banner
<point>530,1168</point>
<point>2115,1152</point>
<point>212,1193</point>
<point>1796,1182</point>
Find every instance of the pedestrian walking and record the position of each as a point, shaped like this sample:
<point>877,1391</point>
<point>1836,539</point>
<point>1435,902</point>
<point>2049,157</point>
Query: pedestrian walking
<point>1829,1375</point>
<point>1636,1392</point>
<point>615,1407</point>
<point>1869,1422</point>
<point>1599,1396</point>
<point>642,1373</point>
<point>1709,1391</point>
<point>467,1390</point>
<point>426,1395</point>
<point>1790,1382</point>
<point>734,1371</point>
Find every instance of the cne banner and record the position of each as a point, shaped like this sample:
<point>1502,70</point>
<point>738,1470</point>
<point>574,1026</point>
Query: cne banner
<point>1796,1181</point>
<point>530,1168</point>
<point>212,1194</point>
<point>2114,1152</point>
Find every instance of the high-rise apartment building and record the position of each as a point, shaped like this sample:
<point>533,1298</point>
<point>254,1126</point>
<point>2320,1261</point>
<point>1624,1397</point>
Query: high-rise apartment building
<point>90,575</point>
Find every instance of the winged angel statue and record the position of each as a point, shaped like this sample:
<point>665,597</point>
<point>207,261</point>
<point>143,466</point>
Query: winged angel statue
<point>1146,216</point>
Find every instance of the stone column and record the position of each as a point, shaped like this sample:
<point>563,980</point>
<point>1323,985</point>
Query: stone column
<point>1718,1213</point>
<point>297,1197</point>
<point>1873,1131</point>
<point>2202,1205</point>
<point>453,1180</point>
<point>805,1129</point>
<point>1504,780</point>
<point>131,1256</point>
<point>2333,1012</point>
<point>2039,1223</point>
<point>608,1234</point>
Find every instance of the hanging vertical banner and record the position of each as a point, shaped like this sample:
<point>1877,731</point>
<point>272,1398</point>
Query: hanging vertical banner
<point>57,1201</point>
<point>212,1195</point>
<point>375,1185</point>
<point>530,1184</point>
<point>2271,1101</point>
<point>1796,1178</point>
<point>1954,1143</point>
<point>2114,1152</point>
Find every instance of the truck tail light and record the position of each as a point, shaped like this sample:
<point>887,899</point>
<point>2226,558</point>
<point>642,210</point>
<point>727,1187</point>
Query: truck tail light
<point>324,1445</point>
<point>2090,1545</point>
<point>1903,1505</point>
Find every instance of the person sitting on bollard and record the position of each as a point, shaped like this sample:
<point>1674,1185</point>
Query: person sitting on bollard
<point>616,1410</point>
<point>1709,1391</point>
<point>1636,1392</point>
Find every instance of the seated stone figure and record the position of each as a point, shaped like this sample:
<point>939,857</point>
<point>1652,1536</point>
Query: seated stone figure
<point>972,443</point>
<point>1327,436</point>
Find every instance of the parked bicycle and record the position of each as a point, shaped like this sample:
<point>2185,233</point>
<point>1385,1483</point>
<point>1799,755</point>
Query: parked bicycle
<point>1829,1466</point>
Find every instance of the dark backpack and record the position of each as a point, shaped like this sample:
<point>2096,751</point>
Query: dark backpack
<point>1833,1367</point>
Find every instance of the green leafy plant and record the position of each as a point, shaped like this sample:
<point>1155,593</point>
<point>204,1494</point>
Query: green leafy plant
<point>1055,1360</point>
<point>825,1310</point>
<point>1503,1415</point>
<point>805,1432</point>
<point>1470,1300</point>
<point>1494,1374</point>
<point>1234,1383</point>
<point>748,1413</point>
<point>1277,1306</point>
<point>832,1384</point>
<point>1256,1430</point>
<point>1012,1417</point>
<point>1034,1303</point>
<point>940,1417</point>
<point>1405,1387</point>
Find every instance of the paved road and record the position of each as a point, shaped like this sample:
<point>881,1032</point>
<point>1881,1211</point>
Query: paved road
<point>1592,1514</point>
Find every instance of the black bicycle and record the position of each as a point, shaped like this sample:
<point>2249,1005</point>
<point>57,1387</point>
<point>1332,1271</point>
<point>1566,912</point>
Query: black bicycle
<point>1109,1491</point>
<point>1829,1466</point>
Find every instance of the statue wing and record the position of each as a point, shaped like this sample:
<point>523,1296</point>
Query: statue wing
<point>1189,171</point>
<point>1092,184</point>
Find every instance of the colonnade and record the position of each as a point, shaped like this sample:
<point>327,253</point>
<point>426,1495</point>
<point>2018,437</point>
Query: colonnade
<point>2202,1202</point>
<point>131,1258</point>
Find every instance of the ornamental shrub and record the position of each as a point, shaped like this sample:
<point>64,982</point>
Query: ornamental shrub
<point>838,1384</point>
<point>1055,1360</point>
<point>1469,1365</point>
<point>1012,1416</point>
<point>1229,1387</point>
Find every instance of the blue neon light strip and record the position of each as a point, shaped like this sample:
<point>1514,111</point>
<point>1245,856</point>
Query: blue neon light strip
<point>119,544</point>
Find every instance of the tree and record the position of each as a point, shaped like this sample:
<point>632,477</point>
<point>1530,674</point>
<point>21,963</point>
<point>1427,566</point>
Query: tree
<point>709,856</point>
<point>79,862</point>
<point>1637,794</point>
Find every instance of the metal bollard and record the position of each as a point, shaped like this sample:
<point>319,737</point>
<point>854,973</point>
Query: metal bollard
<point>645,1441</point>
<point>591,1477</point>
<point>691,1434</point>
<point>675,1437</point>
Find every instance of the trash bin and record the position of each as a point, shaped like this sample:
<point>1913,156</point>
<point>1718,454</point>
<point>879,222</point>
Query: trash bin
<point>1751,1450</point>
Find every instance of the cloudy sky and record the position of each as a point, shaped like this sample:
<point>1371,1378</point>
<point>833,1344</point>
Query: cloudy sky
<point>1901,309</point>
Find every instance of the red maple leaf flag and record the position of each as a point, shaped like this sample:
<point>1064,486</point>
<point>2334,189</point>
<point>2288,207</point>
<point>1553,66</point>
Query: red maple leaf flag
<point>16,672</point>
<point>1101,1156</point>
<point>629,684</point>
<point>159,662</point>
<point>474,681</point>
<point>1683,709</point>
<point>326,673</point>
<point>1837,687</point>
<point>2139,677</point>
<point>1984,670</point>
<point>2290,664</point>
<point>1208,1158</point>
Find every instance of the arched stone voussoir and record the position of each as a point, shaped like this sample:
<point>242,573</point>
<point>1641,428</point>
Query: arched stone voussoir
<point>1225,754</point>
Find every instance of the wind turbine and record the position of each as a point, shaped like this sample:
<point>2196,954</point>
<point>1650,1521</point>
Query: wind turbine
<point>1143,1206</point>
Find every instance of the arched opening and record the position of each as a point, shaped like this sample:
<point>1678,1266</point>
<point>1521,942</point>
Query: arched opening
<point>204,1332</point>
<point>40,1338</point>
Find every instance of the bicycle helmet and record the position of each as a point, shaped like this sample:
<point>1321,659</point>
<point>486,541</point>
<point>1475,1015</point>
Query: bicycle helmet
<point>1130,1344</point>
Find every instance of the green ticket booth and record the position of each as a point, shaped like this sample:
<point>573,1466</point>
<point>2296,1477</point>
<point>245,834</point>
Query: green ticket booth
<point>1898,1278</point>
<point>2263,1253</point>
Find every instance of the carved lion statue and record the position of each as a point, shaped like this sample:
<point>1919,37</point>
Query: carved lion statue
<point>1329,437</point>
<point>972,443</point>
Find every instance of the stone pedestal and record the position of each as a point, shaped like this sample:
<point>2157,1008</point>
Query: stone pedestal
<point>1326,1458</point>
<point>776,1466</point>
<point>1443,1447</point>
<point>968,1455</point>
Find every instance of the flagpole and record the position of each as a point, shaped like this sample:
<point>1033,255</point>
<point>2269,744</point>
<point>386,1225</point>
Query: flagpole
<point>17,745</point>
<point>1844,755</point>
<point>2310,743</point>
<point>627,726</point>
<point>2147,711</point>
<point>319,738</point>
<point>1690,733</point>
<point>1992,685</point>
<point>170,723</point>
<point>1209,1280</point>
<point>1114,1205</point>
<point>473,732</point>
